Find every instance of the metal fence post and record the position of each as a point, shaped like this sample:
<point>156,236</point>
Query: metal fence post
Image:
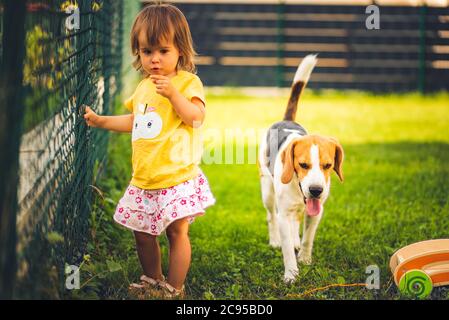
<point>422,49</point>
<point>280,44</point>
<point>11,111</point>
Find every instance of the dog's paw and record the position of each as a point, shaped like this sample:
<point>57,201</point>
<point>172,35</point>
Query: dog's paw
<point>275,243</point>
<point>290,276</point>
<point>297,243</point>
<point>304,258</point>
<point>275,239</point>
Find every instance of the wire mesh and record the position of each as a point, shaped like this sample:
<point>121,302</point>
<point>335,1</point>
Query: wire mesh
<point>73,55</point>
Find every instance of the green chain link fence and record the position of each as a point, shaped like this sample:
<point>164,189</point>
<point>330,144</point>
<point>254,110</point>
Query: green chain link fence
<point>72,55</point>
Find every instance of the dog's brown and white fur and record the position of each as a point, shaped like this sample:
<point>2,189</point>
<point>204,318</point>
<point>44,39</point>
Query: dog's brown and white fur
<point>295,173</point>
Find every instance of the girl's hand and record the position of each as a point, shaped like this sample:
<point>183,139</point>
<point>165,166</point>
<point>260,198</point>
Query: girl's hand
<point>92,119</point>
<point>163,85</point>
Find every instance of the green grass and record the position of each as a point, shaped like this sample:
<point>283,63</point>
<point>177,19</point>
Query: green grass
<point>395,193</point>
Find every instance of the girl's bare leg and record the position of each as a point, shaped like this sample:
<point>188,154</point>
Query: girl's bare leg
<point>180,252</point>
<point>149,254</point>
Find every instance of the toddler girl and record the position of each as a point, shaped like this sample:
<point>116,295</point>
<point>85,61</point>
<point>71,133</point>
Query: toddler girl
<point>167,189</point>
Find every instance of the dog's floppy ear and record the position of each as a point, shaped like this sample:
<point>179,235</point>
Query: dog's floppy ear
<point>287,162</point>
<point>338,161</point>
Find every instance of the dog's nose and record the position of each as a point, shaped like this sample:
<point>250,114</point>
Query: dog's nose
<point>315,191</point>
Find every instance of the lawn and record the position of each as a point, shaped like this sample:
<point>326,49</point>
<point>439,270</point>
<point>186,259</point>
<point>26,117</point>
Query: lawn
<point>395,193</point>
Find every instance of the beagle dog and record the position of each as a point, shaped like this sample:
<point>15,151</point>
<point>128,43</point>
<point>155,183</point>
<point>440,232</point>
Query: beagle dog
<point>295,170</point>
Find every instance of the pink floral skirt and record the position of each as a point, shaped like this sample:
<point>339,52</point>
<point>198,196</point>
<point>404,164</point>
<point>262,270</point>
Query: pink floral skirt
<point>152,211</point>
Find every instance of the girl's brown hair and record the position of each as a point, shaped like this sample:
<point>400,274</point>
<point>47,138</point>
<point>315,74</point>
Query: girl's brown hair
<point>164,21</point>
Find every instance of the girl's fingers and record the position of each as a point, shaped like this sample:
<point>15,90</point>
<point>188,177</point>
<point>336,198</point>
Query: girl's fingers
<point>157,77</point>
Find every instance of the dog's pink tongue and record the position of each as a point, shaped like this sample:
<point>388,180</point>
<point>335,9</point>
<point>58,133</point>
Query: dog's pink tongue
<point>313,207</point>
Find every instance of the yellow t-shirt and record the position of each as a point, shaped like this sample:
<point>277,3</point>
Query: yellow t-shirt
<point>165,151</point>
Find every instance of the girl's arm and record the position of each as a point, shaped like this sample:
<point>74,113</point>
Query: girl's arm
<point>122,123</point>
<point>191,112</point>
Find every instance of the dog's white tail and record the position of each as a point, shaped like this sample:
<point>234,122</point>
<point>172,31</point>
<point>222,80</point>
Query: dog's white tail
<point>305,69</point>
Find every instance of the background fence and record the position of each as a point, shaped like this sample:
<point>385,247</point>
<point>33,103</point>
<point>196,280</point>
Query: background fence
<point>262,44</point>
<point>64,66</point>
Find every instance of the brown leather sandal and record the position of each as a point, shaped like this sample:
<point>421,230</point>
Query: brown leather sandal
<point>136,290</point>
<point>164,291</point>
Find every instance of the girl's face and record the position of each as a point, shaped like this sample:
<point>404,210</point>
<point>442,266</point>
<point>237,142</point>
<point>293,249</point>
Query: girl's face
<point>160,60</point>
